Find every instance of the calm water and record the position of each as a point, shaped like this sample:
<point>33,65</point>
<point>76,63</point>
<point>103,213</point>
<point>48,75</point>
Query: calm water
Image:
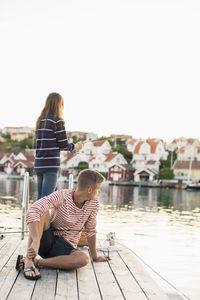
<point>115,196</point>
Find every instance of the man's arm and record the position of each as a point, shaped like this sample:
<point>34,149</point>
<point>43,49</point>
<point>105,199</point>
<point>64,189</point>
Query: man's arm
<point>93,250</point>
<point>34,234</point>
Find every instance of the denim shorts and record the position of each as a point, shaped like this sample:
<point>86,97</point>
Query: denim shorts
<point>51,245</point>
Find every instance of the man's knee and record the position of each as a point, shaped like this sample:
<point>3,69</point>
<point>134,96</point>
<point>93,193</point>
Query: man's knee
<point>81,259</point>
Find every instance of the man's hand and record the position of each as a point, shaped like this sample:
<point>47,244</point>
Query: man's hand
<point>101,258</point>
<point>32,251</point>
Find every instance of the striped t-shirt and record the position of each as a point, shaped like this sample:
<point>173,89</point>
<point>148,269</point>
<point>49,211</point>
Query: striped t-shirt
<point>50,139</point>
<point>67,220</point>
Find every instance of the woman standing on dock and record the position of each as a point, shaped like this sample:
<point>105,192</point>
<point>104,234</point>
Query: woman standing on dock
<point>50,139</point>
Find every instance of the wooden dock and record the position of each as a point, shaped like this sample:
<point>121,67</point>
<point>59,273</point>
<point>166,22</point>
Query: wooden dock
<point>123,277</point>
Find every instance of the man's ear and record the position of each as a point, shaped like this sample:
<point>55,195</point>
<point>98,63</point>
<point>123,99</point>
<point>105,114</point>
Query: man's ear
<point>89,190</point>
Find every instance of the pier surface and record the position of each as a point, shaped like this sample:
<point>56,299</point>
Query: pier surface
<point>123,277</point>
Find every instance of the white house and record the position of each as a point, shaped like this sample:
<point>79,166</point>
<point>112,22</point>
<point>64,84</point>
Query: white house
<point>102,162</point>
<point>91,136</point>
<point>72,160</point>
<point>182,142</point>
<point>131,144</point>
<point>93,148</point>
<point>189,152</point>
<point>17,164</point>
<point>146,157</point>
<point>145,174</point>
<point>18,133</point>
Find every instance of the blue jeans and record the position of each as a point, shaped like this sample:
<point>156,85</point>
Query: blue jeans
<point>46,183</point>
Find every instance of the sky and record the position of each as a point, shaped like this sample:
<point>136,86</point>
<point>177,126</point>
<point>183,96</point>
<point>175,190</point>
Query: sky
<point>122,67</point>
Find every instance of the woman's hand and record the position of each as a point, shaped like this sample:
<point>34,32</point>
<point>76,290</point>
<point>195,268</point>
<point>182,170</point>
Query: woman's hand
<point>78,146</point>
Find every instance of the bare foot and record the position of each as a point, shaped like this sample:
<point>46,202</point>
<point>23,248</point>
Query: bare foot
<point>28,263</point>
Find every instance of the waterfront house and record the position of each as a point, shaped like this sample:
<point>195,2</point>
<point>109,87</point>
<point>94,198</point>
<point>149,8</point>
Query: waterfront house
<point>102,162</point>
<point>145,174</point>
<point>189,152</point>
<point>146,158</point>
<point>8,165</point>
<point>121,172</point>
<point>187,169</point>
<point>22,166</point>
<point>17,164</point>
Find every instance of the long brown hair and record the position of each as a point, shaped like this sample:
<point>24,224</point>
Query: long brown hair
<point>53,105</point>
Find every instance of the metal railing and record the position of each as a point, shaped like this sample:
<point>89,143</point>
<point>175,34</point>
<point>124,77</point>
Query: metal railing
<point>25,201</point>
<point>70,181</point>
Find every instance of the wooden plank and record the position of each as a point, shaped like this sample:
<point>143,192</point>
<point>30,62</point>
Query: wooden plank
<point>151,289</point>
<point>8,274</point>
<point>87,284</point>
<point>66,285</point>
<point>45,287</point>
<point>3,241</point>
<point>130,288</point>
<point>106,280</point>
<point>7,250</point>
<point>22,289</point>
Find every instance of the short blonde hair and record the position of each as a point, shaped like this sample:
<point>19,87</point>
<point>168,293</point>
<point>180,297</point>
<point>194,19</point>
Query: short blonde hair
<point>89,177</point>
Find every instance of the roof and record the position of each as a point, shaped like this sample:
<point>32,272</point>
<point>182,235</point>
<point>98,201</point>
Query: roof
<point>127,166</point>
<point>131,142</point>
<point>92,158</point>
<point>121,136</point>
<point>152,143</point>
<point>1,155</point>
<point>27,163</point>
<point>181,150</point>
<point>137,147</point>
<point>190,141</point>
<point>98,143</point>
<point>29,156</point>
<point>68,156</point>
<point>124,166</point>
<point>110,156</point>
<point>185,164</point>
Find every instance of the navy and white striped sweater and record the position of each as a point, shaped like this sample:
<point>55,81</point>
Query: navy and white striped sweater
<point>50,139</point>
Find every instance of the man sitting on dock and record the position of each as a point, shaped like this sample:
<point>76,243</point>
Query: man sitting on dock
<point>55,223</point>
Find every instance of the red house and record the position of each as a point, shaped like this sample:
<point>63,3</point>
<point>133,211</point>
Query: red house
<point>121,172</point>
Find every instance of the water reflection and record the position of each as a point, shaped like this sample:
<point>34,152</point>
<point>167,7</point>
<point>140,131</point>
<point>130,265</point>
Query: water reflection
<point>116,197</point>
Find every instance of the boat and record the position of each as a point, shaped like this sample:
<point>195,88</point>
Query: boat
<point>193,186</point>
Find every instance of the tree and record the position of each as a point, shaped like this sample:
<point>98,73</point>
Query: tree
<point>83,165</point>
<point>168,163</point>
<point>123,150</point>
<point>105,138</point>
<point>27,143</point>
<point>166,173</point>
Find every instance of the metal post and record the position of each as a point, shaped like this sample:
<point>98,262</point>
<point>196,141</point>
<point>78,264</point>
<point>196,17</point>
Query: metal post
<point>70,181</point>
<point>25,202</point>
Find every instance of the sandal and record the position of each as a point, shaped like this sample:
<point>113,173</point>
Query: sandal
<point>19,263</point>
<point>31,277</point>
